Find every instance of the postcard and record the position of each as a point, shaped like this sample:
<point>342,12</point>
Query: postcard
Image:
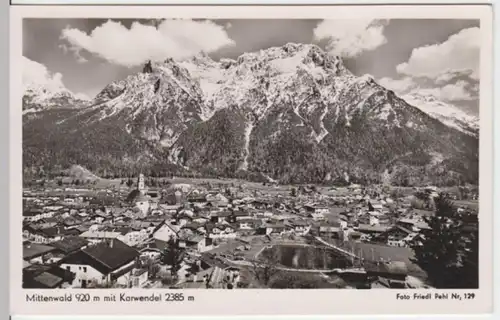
<point>251,160</point>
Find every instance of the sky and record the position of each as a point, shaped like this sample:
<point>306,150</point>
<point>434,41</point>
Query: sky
<point>431,57</point>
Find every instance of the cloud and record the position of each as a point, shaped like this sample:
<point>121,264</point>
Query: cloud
<point>459,90</point>
<point>132,47</point>
<point>458,54</point>
<point>398,85</point>
<point>36,74</point>
<point>453,75</point>
<point>75,51</point>
<point>349,38</point>
<point>82,96</point>
<point>450,92</point>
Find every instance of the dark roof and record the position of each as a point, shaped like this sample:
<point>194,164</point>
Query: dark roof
<point>401,228</point>
<point>212,261</point>
<point>33,250</point>
<point>48,280</point>
<point>32,212</point>
<point>106,256</point>
<point>113,254</point>
<point>56,231</point>
<point>241,213</point>
<point>70,244</point>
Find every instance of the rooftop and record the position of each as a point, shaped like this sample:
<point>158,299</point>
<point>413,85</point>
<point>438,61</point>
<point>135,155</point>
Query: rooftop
<point>70,244</point>
<point>112,254</point>
<point>33,250</point>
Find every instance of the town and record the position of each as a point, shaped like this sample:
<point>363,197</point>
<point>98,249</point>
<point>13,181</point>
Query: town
<point>228,234</point>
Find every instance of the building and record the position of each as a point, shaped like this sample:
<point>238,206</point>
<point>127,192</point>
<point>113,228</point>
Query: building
<point>104,264</point>
<point>100,236</point>
<point>35,253</point>
<point>164,234</point>
<point>45,277</point>
<point>139,198</point>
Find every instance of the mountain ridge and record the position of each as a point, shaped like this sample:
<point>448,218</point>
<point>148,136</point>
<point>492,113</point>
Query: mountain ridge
<point>293,113</point>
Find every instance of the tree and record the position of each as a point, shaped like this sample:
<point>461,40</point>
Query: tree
<point>470,270</point>
<point>129,182</point>
<point>439,252</point>
<point>293,192</point>
<point>424,197</point>
<point>173,255</point>
<point>59,182</point>
<point>264,270</point>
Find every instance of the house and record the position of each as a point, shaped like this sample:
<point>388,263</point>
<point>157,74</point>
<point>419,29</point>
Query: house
<point>52,234</point>
<point>36,253</point>
<point>170,209</point>
<point>219,217</point>
<point>317,216</point>
<point>71,222</point>
<point>268,228</point>
<point>334,231</point>
<point>300,227</point>
<point>372,229</point>
<point>138,278</point>
<point>67,246</point>
<point>217,200</point>
<point>248,224</point>
<point>197,199</point>
<point>200,243</point>
<point>165,233</point>
<point>130,236</point>
<point>240,215</point>
<point>205,244</point>
<point>220,231</point>
<point>99,236</point>
<point>375,206</point>
<point>395,236</point>
<point>103,264</point>
<point>150,252</point>
<point>414,225</point>
<point>32,215</point>
<point>46,277</point>
<point>98,218</point>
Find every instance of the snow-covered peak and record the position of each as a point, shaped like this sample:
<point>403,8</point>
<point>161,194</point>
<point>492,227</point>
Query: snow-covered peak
<point>447,113</point>
<point>43,89</point>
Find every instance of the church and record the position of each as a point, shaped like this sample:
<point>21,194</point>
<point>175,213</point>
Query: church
<point>145,200</point>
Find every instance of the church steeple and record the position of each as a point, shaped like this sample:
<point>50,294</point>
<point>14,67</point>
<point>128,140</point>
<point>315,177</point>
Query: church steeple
<point>140,183</point>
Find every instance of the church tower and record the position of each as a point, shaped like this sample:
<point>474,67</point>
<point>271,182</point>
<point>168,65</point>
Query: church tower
<point>140,183</point>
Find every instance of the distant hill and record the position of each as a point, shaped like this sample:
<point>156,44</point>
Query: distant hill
<point>80,173</point>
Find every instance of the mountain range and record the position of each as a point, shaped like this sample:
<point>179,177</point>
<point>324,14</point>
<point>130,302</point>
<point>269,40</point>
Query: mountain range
<point>293,113</point>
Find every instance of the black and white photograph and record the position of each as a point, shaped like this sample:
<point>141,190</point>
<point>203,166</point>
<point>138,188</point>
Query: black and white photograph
<point>286,154</point>
<point>173,153</point>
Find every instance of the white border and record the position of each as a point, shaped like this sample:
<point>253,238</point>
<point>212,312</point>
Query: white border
<point>259,302</point>
<point>240,2</point>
